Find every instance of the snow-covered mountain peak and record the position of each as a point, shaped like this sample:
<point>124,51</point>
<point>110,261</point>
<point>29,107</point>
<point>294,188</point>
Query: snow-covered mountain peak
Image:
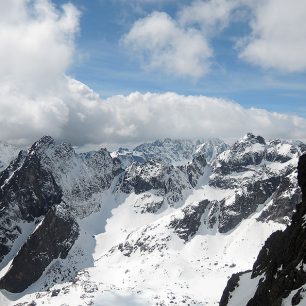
<point>170,150</point>
<point>156,178</point>
<point>41,145</point>
<point>284,150</point>
<point>249,150</point>
<point>253,152</point>
<point>251,138</point>
<point>102,161</point>
<point>248,143</point>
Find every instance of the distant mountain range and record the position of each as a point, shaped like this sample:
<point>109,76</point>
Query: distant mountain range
<point>173,151</point>
<point>7,153</point>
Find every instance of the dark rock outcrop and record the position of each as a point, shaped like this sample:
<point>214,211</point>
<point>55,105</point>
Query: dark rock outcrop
<point>49,182</point>
<point>245,204</point>
<point>285,199</point>
<point>142,178</point>
<point>155,176</point>
<point>232,284</point>
<point>302,176</point>
<point>27,192</point>
<point>52,239</point>
<point>280,265</point>
<point>187,226</point>
<point>195,169</point>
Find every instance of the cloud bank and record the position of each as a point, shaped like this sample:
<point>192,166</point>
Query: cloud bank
<point>37,97</point>
<point>142,117</point>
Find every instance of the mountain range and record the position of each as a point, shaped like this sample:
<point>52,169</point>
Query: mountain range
<point>165,223</point>
<point>278,275</point>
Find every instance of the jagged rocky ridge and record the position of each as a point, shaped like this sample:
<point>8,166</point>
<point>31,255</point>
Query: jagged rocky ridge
<point>278,276</point>
<point>268,177</point>
<point>251,175</point>
<point>156,208</point>
<point>49,174</point>
<point>171,151</point>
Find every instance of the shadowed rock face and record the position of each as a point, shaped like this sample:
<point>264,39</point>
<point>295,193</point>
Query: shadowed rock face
<point>33,189</point>
<point>188,225</point>
<point>51,182</point>
<point>302,176</point>
<point>52,239</point>
<point>27,192</point>
<point>195,169</point>
<point>280,263</point>
<point>246,203</point>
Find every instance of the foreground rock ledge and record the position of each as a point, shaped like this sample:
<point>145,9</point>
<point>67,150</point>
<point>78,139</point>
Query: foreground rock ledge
<point>280,263</point>
<point>52,239</point>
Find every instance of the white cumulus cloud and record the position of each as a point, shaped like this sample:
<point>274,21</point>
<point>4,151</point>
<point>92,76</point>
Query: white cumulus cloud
<point>278,37</point>
<point>212,16</point>
<point>180,46</point>
<point>36,48</point>
<point>36,42</point>
<point>161,44</point>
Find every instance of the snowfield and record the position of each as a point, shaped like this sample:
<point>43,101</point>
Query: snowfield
<point>180,273</point>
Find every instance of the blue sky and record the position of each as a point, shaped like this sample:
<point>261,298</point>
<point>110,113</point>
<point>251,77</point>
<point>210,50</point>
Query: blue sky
<point>118,72</point>
<point>105,64</point>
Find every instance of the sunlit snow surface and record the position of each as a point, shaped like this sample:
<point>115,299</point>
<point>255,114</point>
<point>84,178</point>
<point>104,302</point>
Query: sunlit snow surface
<point>192,273</point>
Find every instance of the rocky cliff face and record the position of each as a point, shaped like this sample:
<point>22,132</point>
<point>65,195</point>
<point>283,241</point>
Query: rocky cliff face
<point>51,184</point>
<point>53,239</point>
<point>157,179</point>
<point>27,192</point>
<point>278,276</point>
<point>81,179</point>
<point>260,173</point>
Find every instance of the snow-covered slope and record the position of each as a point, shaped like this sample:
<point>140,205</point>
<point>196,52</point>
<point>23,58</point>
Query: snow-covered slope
<point>156,233</point>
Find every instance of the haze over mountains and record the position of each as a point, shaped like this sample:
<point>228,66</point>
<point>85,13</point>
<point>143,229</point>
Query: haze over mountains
<point>143,226</point>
